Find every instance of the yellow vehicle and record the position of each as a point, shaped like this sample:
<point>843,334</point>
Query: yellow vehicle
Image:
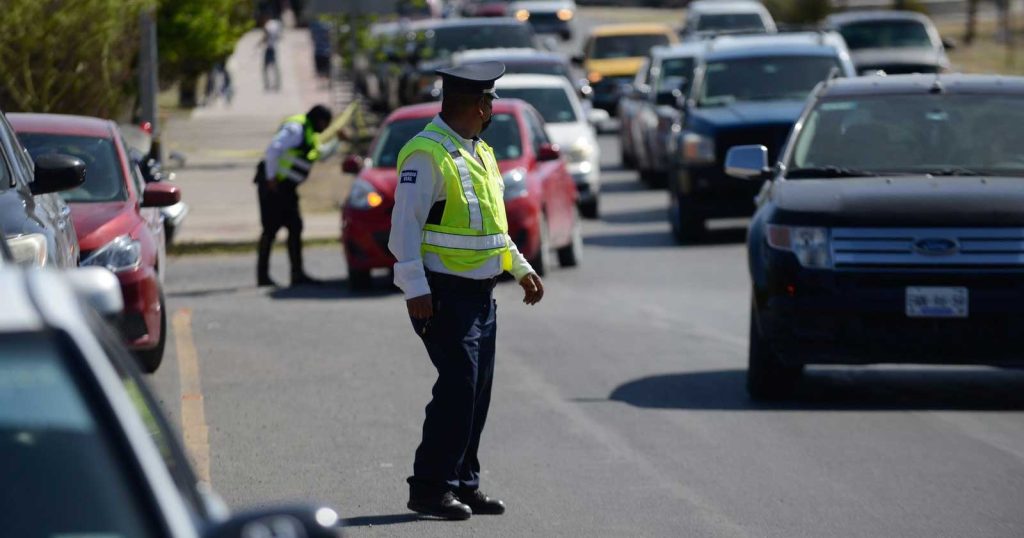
<point>613,53</point>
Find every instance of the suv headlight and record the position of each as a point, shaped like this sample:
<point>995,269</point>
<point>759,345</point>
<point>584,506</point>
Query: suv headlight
<point>698,149</point>
<point>811,246</point>
<point>121,254</point>
<point>28,249</point>
<point>515,184</point>
<point>364,196</point>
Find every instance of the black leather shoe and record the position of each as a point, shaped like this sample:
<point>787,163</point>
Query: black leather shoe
<point>265,281</point>
<point>304,279</point>
<point>445,506</point>
<point>480,503</point>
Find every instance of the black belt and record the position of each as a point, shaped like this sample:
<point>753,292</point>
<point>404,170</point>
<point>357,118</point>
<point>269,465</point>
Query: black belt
<point>458,283</point>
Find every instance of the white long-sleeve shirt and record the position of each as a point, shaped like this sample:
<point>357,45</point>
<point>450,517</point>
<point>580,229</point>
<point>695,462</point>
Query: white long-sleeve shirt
<point>290,135</point>
<point>413,201</point>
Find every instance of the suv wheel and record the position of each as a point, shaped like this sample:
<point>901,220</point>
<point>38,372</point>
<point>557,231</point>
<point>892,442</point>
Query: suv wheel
<point>589,208</point>
<point>767,377</point>
<point>541,263</point>
<point>686,226</point>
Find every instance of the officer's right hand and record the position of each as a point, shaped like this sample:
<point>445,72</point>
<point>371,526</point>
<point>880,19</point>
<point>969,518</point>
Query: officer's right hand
<point>421,307</point>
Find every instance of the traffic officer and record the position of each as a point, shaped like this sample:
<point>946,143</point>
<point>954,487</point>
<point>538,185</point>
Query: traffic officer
<point>287,163</point>
<point>450,238</point>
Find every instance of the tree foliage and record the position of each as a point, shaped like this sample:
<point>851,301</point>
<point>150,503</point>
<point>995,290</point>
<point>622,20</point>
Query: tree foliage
<point>196,34</point>
<point>69,57</point>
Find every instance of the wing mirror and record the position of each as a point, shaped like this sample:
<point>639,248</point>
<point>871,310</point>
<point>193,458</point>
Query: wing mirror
<point>55,173</point>
<point>160,195</point>
<point>548,152</point>
<point>98,288</point>
<point>597,116</point>
<point>747,162</point>
<point>949,43</point>
<point>307,522</point>
<point>352,164</point>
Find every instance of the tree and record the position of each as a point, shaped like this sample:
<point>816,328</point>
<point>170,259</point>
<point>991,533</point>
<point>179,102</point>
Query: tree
<point>65,57</point>
<point>193,35</point>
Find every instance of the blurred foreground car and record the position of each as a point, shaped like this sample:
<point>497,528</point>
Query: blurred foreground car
<point>567,126</point>
<point>613,54</point>
<point>540,197</point>
<point>896,42</point>
<point>546,16</point>
<point>84,448</point>
<point>892,230</point>
<point>708,18</point>
<point>116,217</point>
<point>37,221</point>
<point>748,90</point>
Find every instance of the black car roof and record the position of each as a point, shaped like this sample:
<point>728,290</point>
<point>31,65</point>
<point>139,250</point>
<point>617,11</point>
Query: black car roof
<point>923,84</point>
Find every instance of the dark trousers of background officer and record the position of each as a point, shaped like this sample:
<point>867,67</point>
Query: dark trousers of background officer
<point>460,340</point>
<point>280,209</point>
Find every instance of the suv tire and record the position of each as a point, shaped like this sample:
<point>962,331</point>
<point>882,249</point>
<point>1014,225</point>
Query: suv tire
<point>767,377</point>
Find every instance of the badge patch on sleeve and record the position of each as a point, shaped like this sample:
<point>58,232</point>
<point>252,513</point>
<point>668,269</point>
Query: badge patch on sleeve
<point>409,176</point>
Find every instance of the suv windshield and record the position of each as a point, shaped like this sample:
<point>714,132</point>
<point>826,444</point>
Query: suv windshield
<point>552,103</point>
<point>936,134</point>
<point>730,21</point>
<point>763,79</point>
<point>885,34</point>
<point>626,46</point>
<point>103,179</point>
<point>676,74</point>
<point>63,473</point>
<point>449,40</point>
<point>502,135</point>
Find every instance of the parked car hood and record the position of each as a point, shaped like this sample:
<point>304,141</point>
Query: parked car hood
<point>615,67</point>
<point>906,56</point>
<point>98,223</point>
<point>901,201</point>
<point>747,113</point>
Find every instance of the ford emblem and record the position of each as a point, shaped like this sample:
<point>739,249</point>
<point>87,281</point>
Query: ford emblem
<point>939,246</point>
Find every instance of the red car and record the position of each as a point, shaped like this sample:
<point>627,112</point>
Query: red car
<point>540,195</point>
<point>116,217</point>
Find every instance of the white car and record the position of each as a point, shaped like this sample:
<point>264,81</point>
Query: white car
<point>546,16</point>
<point>708,18</point>
<point>567,125</point>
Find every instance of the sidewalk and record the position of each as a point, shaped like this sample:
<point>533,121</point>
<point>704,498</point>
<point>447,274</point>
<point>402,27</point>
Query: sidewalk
<point>223,143</point>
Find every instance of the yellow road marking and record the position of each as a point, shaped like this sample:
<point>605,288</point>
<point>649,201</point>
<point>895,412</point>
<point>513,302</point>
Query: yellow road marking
<point>193,416</point>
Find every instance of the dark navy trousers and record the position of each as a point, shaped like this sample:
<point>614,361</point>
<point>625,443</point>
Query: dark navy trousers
<point>460,340</point>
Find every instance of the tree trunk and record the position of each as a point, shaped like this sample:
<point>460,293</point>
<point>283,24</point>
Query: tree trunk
<point>187,95</point>
<point>972,22</point>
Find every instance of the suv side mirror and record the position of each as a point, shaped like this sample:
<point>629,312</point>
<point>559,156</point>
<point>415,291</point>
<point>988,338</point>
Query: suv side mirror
<point>949,43</point>
<point>548,152</point>
<point>307,522</point>
<point>55,173</point>
<point>352,164</point>
<point>747,162</point>
<point>160,195</point>
<point>578,59</point>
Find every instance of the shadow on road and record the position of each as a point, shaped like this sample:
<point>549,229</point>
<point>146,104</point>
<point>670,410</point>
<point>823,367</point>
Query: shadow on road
<point>636,216</point>
<point>208,292</point>
<point>335,289</point>
<point>622,186</point>
<point>376,521</point>
<point>963,389</point>
<point>631,240</point>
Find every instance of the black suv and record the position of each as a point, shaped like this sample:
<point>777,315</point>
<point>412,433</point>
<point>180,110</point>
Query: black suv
<point>892,229</point>
<point>37,222</point>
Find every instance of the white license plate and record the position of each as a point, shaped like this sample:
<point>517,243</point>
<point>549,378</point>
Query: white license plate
<point>936,302</point>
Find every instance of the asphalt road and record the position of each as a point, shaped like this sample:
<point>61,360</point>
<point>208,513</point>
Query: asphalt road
<point>619,407</point>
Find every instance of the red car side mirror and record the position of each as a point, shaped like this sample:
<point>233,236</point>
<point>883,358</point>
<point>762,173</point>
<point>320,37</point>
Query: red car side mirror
<point>160,195</point>
<point>352,164</point>
<point>548,152</point>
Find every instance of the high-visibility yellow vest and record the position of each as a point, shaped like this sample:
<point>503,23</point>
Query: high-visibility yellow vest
<point>473,228</point>
<point>295,163</point>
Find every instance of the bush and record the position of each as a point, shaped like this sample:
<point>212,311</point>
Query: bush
<point>799,12</point>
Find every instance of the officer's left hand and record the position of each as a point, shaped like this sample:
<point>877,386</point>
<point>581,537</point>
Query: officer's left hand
<point>533,288</point>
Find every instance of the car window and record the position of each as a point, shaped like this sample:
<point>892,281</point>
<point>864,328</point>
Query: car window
<point>552,103</point>
<point>626,46</point>
<point>71,478</point>
<point>536,127</point>
<point>675,74</point>
<point>885,34</point>
<point>392,138</point>
<point>443,42</point>
<point>730,22</point>
<point>763,79</point>
<point>104,181</point>
<point>957,134</point>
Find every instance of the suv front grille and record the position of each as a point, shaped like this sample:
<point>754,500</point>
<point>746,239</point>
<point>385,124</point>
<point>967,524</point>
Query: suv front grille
<point>923,248</point>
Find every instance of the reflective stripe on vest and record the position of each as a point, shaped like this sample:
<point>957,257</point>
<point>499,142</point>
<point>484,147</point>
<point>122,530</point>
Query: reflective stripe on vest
<point>476,220</point>
<point>464,242</point>
<point>296,163</point>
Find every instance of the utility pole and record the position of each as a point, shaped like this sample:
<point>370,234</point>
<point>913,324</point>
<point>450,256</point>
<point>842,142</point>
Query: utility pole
<point>148,78</point>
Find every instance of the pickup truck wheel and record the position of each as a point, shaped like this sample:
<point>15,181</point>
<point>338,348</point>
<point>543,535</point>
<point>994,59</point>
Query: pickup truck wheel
<point>767,377</point>
<point>687,227</point>
<point>149,359</point>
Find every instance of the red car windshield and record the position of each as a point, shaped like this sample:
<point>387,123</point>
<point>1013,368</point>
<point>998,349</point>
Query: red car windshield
<point>103,179</point>
<point>502,135</point>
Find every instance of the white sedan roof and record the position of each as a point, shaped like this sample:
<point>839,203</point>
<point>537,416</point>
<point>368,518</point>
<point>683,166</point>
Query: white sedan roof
<point>531,81</point>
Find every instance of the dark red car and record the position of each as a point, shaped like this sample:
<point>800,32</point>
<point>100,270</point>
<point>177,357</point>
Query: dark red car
<point>540,195</point>
<point>115,217</point>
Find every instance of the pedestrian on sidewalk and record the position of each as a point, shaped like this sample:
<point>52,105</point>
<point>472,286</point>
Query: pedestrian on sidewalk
<point>450,237</point>
<point>321,35</point>
<point>285,165</point>
<point>271,71</point>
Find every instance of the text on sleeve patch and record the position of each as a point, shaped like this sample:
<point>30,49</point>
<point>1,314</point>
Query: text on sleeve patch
<point>408,176</point>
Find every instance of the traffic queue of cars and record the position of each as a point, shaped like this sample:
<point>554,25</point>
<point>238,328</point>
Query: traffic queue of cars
<point>71,195</point>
